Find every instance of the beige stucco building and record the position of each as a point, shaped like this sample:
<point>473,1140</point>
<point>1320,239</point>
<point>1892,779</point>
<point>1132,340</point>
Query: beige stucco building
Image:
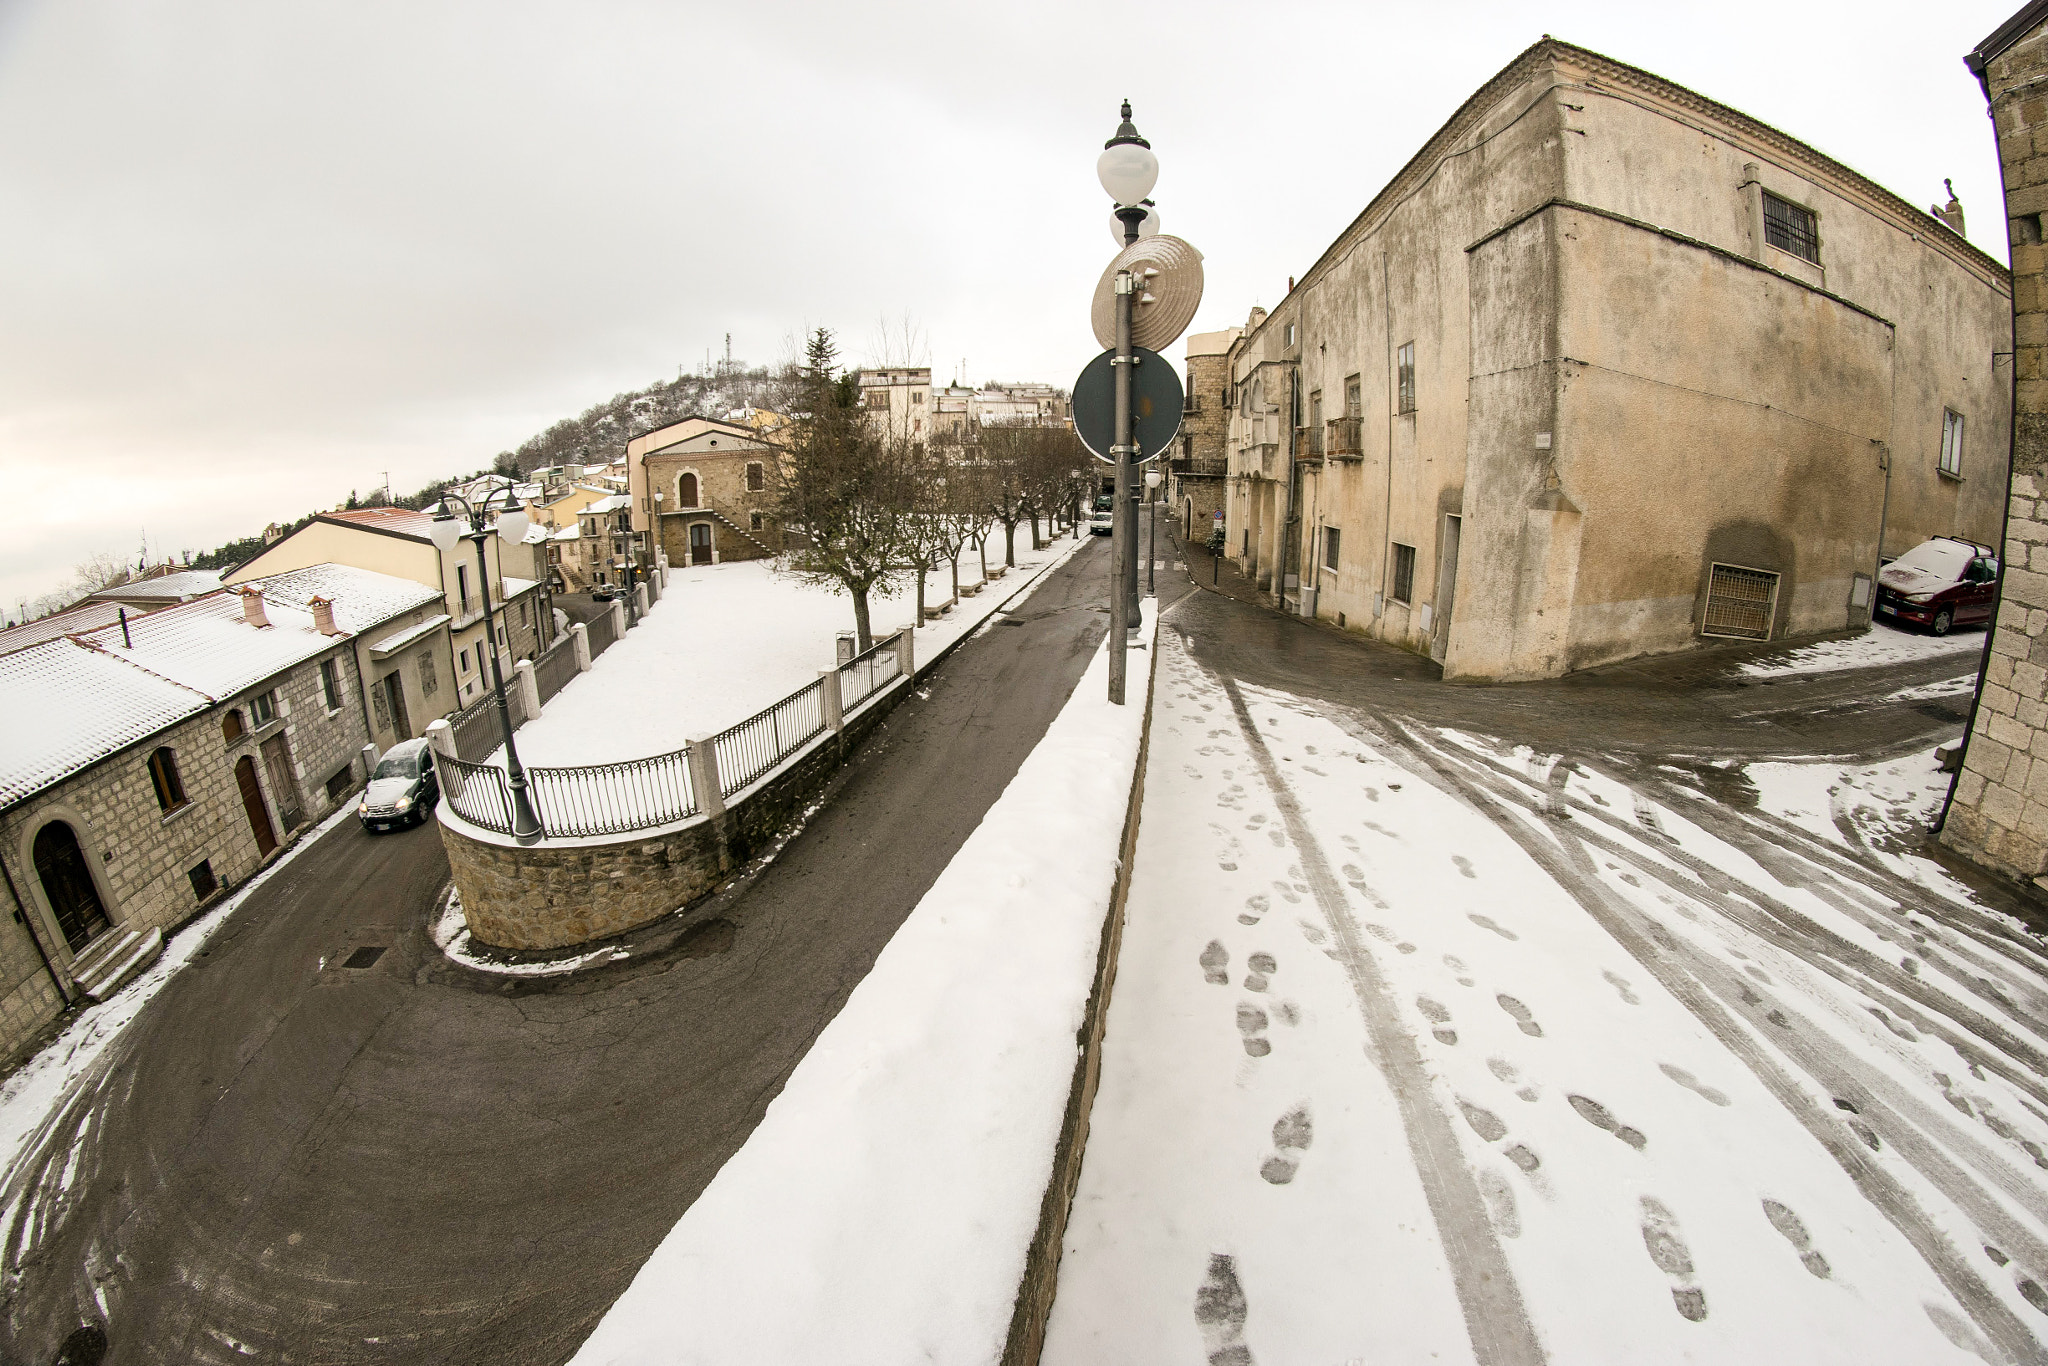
<point>717,487</point>
<point>1607,368</point>
<point>395,541</point>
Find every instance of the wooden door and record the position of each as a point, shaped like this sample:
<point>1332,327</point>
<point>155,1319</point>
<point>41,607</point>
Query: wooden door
<point>68,884</point>
<point>700,543</point>
<point>284,785</point>
<point>686,491</point>
<point>252,802</point>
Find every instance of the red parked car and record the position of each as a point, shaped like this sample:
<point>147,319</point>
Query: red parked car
<point>1940,584</point>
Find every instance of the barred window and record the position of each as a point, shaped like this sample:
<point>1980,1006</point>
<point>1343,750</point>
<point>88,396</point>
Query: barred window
<point>1404,379</point>
<point>1330,548</point>
<point>1404,573</point>
<point>1791,228</point>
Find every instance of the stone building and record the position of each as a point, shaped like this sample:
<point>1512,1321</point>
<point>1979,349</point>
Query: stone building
<point>152,768</point>
<point>1608,368</point>
<point>1195,472</point>
<point>716,483</point>
<point>1998,812</point>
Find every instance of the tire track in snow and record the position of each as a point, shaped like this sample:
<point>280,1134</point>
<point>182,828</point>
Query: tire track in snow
<point>1496,1319</point>
<point>1693,980</point>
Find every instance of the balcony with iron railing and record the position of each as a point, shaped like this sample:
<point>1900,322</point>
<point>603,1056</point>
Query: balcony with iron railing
<point>1308,445</point>
<point>1345,440</point>
<point>1190,467</point>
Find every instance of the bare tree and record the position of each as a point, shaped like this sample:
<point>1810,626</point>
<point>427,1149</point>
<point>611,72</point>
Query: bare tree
<point>102,569</point>
<point>842,490</point>
<point>1053,464</point>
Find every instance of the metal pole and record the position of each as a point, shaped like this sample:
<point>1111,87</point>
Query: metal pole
<point>525,825</point>
<point>1123,528</point>
<point>1152,538</point>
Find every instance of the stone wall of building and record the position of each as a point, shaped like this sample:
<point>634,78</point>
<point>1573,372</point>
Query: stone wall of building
<point>553,895</point>
<point>2000,812</point>
<point>722,487</point>
<point>1195,493</point>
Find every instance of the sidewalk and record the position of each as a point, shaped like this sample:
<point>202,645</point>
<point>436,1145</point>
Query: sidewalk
<point>1425,1047</point>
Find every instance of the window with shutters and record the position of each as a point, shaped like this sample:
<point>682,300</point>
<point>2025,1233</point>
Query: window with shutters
<point>330,684</point>
<point>1404,378</point>
<point>1951,443</point>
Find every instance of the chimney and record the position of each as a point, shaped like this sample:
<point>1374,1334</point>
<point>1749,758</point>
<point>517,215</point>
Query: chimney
<point>323,616</point>
<point>252,607</point>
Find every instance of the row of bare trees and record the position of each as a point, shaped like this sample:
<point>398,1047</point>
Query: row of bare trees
<point>866,507</point>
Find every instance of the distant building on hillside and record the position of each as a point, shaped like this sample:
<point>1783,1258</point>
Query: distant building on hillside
<point>703,491</point>
<point>898,399</point>
<point>1608,368</point>
<point>960,413</point>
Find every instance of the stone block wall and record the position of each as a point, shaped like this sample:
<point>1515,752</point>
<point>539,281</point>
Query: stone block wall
<point>548,896</point>
<point>1205,431</point>
<point>722,486</point>
<point>2000,812</point>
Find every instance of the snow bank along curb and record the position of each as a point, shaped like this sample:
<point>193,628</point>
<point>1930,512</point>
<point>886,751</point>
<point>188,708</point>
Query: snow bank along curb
<point>1042,1263</point>
<point>884,1209</point>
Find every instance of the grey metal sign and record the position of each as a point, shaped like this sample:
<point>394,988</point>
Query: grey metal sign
<point>1156,402</point>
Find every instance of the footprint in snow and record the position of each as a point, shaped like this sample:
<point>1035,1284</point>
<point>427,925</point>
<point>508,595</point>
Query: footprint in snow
<point>1484,1122</point>
<point>1464,865</point>
<point>1898,1027</point>
<point>1620,984</point>
<point>1256,821</point>
<point>1457,965</point>
<point>1262,966</point>
<point>1597,1115</point>
<point>1349,842</point>
<point>1506,1071</point>
<point>1215,961</point>
<point>1693,1084</point>
<point>1220,1312</point>
<point>1251,1023</point>
<point>1279,840</point>
<point>1192,772</point>
<point>1311,768</point>
<point>1379,932</point>
<point>1959,1332</point>
<point>1789,1224</point>
<point>1292,1134</point>
<point>1287,893</point>
<point>1487,922</point>
<point>1255,906</point>
<point>1353,872</point>
<point>1439,1016</point>
<point>1500,1202</point>
<point>1372,794</point>
<point>1667,1249</point>
<point>1312,933</point>
<point>1524,1021</point>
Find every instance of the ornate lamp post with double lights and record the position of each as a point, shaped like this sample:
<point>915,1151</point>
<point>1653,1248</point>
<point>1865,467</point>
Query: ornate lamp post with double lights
<point>476,522</point>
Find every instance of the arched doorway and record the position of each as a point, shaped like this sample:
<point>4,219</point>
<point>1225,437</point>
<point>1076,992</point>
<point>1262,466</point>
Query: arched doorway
<point>252,802</point>
<point>68,884</point>
<point>700,543</point>
<point>686,491</point>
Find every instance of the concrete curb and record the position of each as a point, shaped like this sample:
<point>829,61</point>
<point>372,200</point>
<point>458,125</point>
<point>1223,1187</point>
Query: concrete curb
<point>1017,590</point>
<point>1042,1259</point>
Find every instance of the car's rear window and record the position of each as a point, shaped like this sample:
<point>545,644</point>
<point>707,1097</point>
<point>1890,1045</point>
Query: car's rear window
<point>1942,559</point>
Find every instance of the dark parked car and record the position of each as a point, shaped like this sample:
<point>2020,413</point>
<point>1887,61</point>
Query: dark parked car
<point>1939,584</point>
<point>607,592</point>
<point>402,790</point>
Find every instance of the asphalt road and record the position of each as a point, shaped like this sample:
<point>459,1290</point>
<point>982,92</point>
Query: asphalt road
<point>284,1158</point>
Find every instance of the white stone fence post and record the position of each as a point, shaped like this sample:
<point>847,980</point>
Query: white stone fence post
<point>704,782</point>
<point>529,688</point>
<point>640,598</point>
<point>828,700</point>
<point>579,641</point>
<point>618,618</point>
<point>906,651</point>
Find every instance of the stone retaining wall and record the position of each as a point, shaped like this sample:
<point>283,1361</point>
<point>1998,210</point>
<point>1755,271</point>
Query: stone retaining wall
<point>553,895</point>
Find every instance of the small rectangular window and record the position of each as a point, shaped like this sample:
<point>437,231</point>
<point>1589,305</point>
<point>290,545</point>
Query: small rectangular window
<point>757,476</point>
<point>263,708</point>
<point>1788,227</point>
<point>204,883</point>
<point>1404,573</point>
<point>878,398</point>
<point>465,661</point>
<point>754,523</point>
<point>462,585</point>
<point>1290,334</point>
<point>330,684</point>
<point>1951,443</point>
<point>1330,549</point>
<point>1404,378</point>
<point>163,775</point>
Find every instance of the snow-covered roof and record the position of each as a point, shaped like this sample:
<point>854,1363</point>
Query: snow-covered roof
<point>571,532</point>
<point>399,521</point>
<point>74,705</point>
<point>362,597</point>
<point>186,583</point>
<point>207,646</point>
<point>616,502</point>
<point>512,587</point>
<point>85,617</point>
<point>391,644</point>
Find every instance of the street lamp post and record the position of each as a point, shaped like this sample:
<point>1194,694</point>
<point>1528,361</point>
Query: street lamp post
<point>1127,170</point>
<point>510,524</point>
<point>1152,532</point>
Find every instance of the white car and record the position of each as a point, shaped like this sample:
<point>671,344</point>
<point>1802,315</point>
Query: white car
<point>1102,517</point>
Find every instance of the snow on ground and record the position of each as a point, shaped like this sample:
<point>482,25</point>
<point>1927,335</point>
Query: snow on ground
<point>882,1209</point>
<point>1425,1047</point>
<point>727,640</point>
<point>1877,645</point>
<point>55,1076</point>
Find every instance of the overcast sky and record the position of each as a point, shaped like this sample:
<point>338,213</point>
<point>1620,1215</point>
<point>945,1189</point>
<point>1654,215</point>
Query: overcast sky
<point>253,255</point>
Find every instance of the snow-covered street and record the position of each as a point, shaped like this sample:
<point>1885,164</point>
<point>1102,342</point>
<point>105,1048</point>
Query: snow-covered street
<point>1425,1047</point>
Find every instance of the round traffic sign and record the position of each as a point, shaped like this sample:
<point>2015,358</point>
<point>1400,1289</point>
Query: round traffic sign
<point>1156,400</point>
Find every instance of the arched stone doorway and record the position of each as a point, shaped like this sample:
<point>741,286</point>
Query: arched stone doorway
<point>68,885</point>
<point>252,802</point>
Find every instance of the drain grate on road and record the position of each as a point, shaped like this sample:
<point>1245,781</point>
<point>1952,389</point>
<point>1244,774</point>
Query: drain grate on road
<point>364,957</point>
